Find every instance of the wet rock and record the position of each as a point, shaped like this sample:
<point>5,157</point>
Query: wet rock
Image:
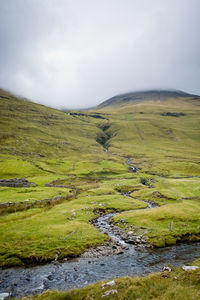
<point>50,277</point>
<point>108,293</point>
<point>189,268</point>
<point>120,252</point>
<point>130,233</point>
<point>55,262</point>
<point>110,248</point>
<point>149,246</point>
<point>27,279</point>
<point>138,240</point>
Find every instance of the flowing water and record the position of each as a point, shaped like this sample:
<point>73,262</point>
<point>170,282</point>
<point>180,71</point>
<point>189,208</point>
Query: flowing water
<point>83,271</point>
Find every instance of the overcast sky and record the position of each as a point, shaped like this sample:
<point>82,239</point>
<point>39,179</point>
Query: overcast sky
<point>78,53</point>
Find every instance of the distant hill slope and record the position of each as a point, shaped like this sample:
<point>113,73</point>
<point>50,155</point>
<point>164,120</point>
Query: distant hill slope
<point>34,130</point>
<point>145,95</point>
<point>134,128</point>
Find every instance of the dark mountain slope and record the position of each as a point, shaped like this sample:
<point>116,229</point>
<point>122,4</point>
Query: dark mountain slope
<point>145,95</point>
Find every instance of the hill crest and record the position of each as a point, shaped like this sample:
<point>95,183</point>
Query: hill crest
<point>145,95</point>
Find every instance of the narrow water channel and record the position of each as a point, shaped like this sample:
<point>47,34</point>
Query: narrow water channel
<point>82,271</point>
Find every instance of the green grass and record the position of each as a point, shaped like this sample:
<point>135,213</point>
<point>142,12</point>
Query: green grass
<point>178,284</point>
<point>33,193</point>
<point>45,145</point>
<point>39,234</point>
<point>165,190</point>
<point>156,222</point>
<point>11,167</point>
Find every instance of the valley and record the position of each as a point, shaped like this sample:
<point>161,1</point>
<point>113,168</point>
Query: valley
<point>108,164</point>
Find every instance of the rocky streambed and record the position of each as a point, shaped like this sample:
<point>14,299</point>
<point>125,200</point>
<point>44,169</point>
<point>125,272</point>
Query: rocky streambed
<point>119,257</point>
<point>125,254</point>
<point>83,271</point>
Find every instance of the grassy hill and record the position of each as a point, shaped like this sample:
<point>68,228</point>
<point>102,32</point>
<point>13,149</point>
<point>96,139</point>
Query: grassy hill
<point>146,95</point>
<point>33,130</point>
<point>155,128</point>
<point>80,157</point>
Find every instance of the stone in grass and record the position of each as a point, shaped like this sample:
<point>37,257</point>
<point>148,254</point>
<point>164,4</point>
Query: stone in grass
<point>108,293</point>
<point>189,268</point>
<point>168,269</point>
<point>4,296</point>
<point>110,283</point>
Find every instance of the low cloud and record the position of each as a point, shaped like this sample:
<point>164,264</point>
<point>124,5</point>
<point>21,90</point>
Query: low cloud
<point>75,54</point>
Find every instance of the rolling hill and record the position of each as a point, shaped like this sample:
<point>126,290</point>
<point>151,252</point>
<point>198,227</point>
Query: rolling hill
<point>138,96</point>
<point>77,164</point>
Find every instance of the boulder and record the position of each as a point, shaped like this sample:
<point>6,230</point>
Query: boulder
<point>168,269</point>
<point>130,233</point>
<point>108,293</point>
<point>110,283</point>
<point>189,268</point>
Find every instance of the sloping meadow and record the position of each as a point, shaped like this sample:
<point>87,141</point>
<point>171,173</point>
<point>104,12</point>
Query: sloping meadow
<point>63,156</point>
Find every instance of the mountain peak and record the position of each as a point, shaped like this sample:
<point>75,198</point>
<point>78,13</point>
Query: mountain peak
<point>154,94</point>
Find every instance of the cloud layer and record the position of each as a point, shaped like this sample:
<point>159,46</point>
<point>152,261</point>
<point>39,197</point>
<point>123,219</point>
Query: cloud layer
<point>75,53</point>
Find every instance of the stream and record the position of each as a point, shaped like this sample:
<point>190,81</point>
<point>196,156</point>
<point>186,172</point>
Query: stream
<point>83,271</point>
<point>79,272</point>
<point>22,281</point>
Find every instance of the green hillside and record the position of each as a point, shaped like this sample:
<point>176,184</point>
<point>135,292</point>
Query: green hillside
<point>80,158</point>
<point>33,130</point>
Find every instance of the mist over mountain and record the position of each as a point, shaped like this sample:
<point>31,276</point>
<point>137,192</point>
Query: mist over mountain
<point>156,94</point>
<point>76,53</point>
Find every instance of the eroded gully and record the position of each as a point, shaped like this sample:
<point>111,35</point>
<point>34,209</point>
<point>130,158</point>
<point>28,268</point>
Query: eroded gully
<point>130,261</point>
